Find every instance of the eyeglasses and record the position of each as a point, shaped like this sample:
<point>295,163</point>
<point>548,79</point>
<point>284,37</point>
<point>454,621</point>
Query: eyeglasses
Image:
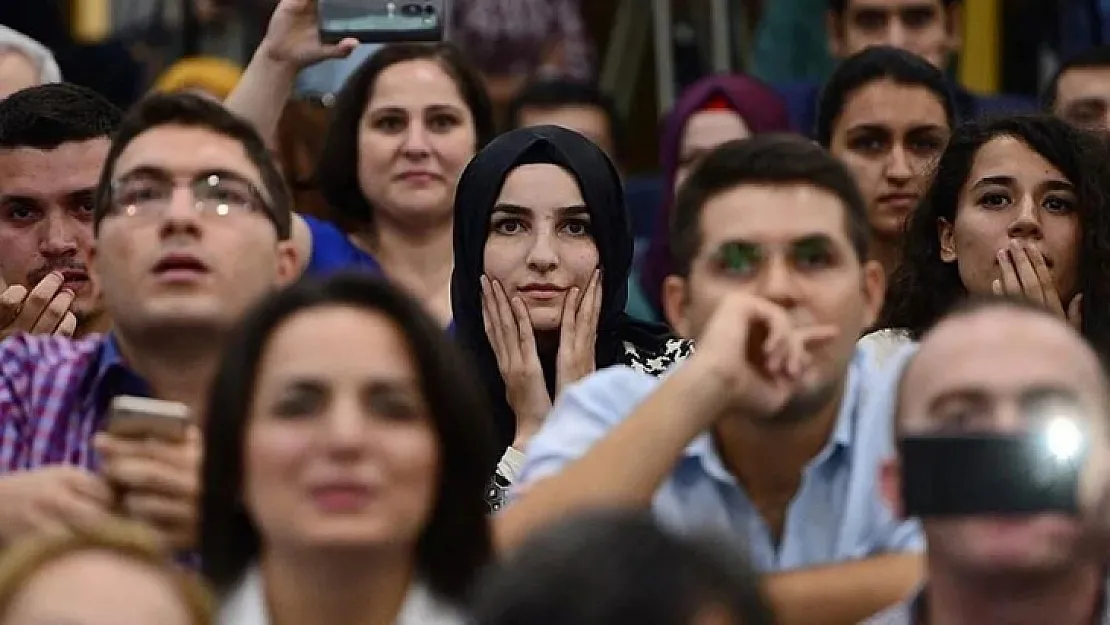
<point>213,194</point>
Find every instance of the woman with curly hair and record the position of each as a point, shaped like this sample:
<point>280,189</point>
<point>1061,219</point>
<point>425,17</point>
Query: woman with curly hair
<point>1018,206</point>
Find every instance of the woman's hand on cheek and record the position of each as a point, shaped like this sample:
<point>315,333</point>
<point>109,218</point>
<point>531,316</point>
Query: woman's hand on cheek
<point>510,334</point>
<point>578,333</point>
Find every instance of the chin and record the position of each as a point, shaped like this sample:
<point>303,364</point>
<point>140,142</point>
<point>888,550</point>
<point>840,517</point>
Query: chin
<point>545,320</point>
<point>355,533</point>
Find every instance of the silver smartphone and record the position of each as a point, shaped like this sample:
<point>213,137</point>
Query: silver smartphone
<point>143,418</point>
<point>382,21</point>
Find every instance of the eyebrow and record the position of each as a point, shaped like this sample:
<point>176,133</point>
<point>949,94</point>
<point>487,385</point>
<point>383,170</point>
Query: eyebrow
<point>20,196</point>
<point>808,239</point>
<point>1009,181</point>
<point>1031,394</point>
<point>524,211</point>
<point>435,108</point>
<point>877,127</point>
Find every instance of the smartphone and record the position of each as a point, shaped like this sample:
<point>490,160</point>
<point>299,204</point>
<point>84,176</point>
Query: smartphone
<point>382,21</point>
<point>143,418</point>
<point>993,474</point>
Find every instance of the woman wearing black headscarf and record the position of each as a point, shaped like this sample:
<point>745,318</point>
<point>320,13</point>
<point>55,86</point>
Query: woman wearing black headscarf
<point>542,257</point>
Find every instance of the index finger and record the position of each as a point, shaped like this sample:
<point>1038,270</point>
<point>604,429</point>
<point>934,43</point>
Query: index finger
<point>38,300</point>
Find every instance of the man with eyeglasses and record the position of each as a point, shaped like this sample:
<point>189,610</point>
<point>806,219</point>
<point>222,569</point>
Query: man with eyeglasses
<point>191,227</point>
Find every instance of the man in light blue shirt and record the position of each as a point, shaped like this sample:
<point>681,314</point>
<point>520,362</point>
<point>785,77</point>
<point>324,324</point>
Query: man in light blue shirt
<point>776,429</point>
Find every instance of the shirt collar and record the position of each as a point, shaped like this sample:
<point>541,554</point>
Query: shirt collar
<point>704,451</point>
<point>111,376</point>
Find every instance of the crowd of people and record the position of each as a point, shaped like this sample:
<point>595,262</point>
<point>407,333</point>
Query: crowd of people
<point>438,372</point>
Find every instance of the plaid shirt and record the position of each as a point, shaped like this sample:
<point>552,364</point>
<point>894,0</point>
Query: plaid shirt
<point>510,37</point>
<point>54,395</point>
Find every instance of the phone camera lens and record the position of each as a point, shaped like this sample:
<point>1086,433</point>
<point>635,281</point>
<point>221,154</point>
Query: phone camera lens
<point>429,10</point>
<point>411,10</point>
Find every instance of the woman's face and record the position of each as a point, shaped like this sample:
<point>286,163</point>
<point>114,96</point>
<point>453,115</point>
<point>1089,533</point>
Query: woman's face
<point>1013,194</point>
<point>414,139</point>
<point>98,588</point>
<point>705,130</point>
<point>340,450</point>
<point>540,244</point>
<point>889,136</point>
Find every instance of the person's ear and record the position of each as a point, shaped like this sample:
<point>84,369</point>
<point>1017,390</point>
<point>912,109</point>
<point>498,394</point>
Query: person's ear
<point>834,32</point>
<point>675,303</point>
<point>890,485</point>
<point>874,291</point>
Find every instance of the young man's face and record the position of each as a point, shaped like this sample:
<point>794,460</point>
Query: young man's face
<point>1083,97</point>
<point>924,27</point>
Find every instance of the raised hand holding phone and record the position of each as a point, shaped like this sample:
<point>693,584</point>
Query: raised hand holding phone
<point>293,36</point>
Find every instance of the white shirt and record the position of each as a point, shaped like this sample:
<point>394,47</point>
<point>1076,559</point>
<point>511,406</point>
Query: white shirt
<point>246,605</point>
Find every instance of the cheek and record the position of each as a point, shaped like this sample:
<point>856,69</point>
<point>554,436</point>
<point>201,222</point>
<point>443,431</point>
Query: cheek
<point>581,259</point>
<point>866,173</point>
<point>18,248</point>
<point>502,256</point>
<point>456,149</point>
<point>272,461</point>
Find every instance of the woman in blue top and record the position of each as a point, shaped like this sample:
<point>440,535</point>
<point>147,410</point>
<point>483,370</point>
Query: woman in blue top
<point>405,124</point>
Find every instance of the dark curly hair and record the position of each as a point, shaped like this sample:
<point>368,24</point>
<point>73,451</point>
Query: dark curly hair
<point>924,287</point>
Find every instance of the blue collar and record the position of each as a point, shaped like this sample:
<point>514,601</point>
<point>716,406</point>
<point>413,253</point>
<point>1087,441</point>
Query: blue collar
<point>112,377</point>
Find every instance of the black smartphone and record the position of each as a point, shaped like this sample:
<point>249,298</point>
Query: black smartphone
<point>977,474</point>
<point>382,21</point>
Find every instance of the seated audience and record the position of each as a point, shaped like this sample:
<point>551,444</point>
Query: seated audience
<point>192,223</point>
<point>621,567</point>
<point>996,368</point>
<point>712,111</point>
<point>1080,91</point>
<point>404,126</point>
<point>578,105</point>
<point>773,432</point>
<point>887,115</point>
<point>542,256</point>
<point>1018,206</point>
<point>107,574</point>
<point>347,448</point>
<point>24,63</point>
<point>930,29</point>
<point>53,142</point>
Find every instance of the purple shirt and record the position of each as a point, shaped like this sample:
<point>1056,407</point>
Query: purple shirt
<point>54,395</point>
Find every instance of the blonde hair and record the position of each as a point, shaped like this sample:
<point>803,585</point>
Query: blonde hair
<point>25,559</point>
<point>206,73</point>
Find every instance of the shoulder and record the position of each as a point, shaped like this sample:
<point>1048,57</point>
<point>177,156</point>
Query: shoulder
<point>43,351</point>
<point>657,361</point>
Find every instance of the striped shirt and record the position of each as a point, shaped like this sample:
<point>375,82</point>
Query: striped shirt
<point>54,396</point>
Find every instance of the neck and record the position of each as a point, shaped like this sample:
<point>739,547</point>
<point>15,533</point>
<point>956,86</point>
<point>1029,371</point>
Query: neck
<point>888,252</point>
<point>178,366</point>
<point>768,458</point>
<point>95,323</point>
<point>418,260</point>
<point>336,589</point>
<point>1070,598</point>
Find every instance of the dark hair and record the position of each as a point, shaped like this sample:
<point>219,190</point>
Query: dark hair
<point>840,6</point>
<point>186,109</point>
<point>456,541</point>
<point>1097,57</point>
<point>554,93</point>
<point>619,567</point>
<point>924,287</point>
<point>337,174</point>
<point>46,116</point>
<point>763,159</point>
<point>872,65</point>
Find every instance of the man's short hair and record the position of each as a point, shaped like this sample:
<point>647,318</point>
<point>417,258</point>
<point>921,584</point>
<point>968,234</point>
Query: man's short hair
<point>840,6</point>
<point>553,93</point>
<point>46,116</point>
<point>186,109</point>
<point>1097,57</point>
<point>774,159</point>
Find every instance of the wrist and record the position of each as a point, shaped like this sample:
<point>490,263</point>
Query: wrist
<point>707,388</point>
<point>276,61</point>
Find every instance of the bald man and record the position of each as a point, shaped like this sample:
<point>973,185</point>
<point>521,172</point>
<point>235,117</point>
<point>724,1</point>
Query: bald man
<point>985,369</point>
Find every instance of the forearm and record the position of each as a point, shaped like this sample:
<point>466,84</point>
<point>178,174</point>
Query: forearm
<point>843,594</point>
<point>262,92</point>
<point>625,468</point>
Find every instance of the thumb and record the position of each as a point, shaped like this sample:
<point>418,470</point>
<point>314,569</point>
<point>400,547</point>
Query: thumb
<point>1075,312</point>
<point>341,50</point>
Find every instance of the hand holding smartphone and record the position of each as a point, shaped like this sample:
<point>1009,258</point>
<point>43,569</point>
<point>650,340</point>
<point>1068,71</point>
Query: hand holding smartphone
<point>382,21</point>
<point>141,418</point>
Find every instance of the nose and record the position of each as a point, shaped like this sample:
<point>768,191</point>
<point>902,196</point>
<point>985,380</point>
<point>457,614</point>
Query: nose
<point>180,215</point>
<point>542,256</point>
<point>777,283</point>
<point>343,427</point>
<point>1026,223</point>
<point>60,236</point>
<point>416,143</point>
<point>896,35</point>
<point>898,168</point>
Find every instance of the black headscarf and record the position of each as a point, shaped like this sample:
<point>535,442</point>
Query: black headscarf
<point>478,188</point>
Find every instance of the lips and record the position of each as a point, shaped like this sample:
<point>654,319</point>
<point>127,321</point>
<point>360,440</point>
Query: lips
<point>179,265</point>
<point>900,199</point>
<point>341,497</point>
<point>541,291</point>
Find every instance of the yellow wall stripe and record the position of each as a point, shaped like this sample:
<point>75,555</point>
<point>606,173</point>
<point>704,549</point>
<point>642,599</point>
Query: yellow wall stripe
<point>979,60</point>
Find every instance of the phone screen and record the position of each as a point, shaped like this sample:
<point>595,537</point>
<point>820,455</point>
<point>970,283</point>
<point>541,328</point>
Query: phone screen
<point>381,21</point>
<point>1021,473</point>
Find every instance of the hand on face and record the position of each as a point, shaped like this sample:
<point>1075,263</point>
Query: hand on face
<point>753,355</point>
<point>44,309</point>
<point>1025,273</point>
<point>158,483</point>
<point>578,333</point>
<point>509,330</point>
